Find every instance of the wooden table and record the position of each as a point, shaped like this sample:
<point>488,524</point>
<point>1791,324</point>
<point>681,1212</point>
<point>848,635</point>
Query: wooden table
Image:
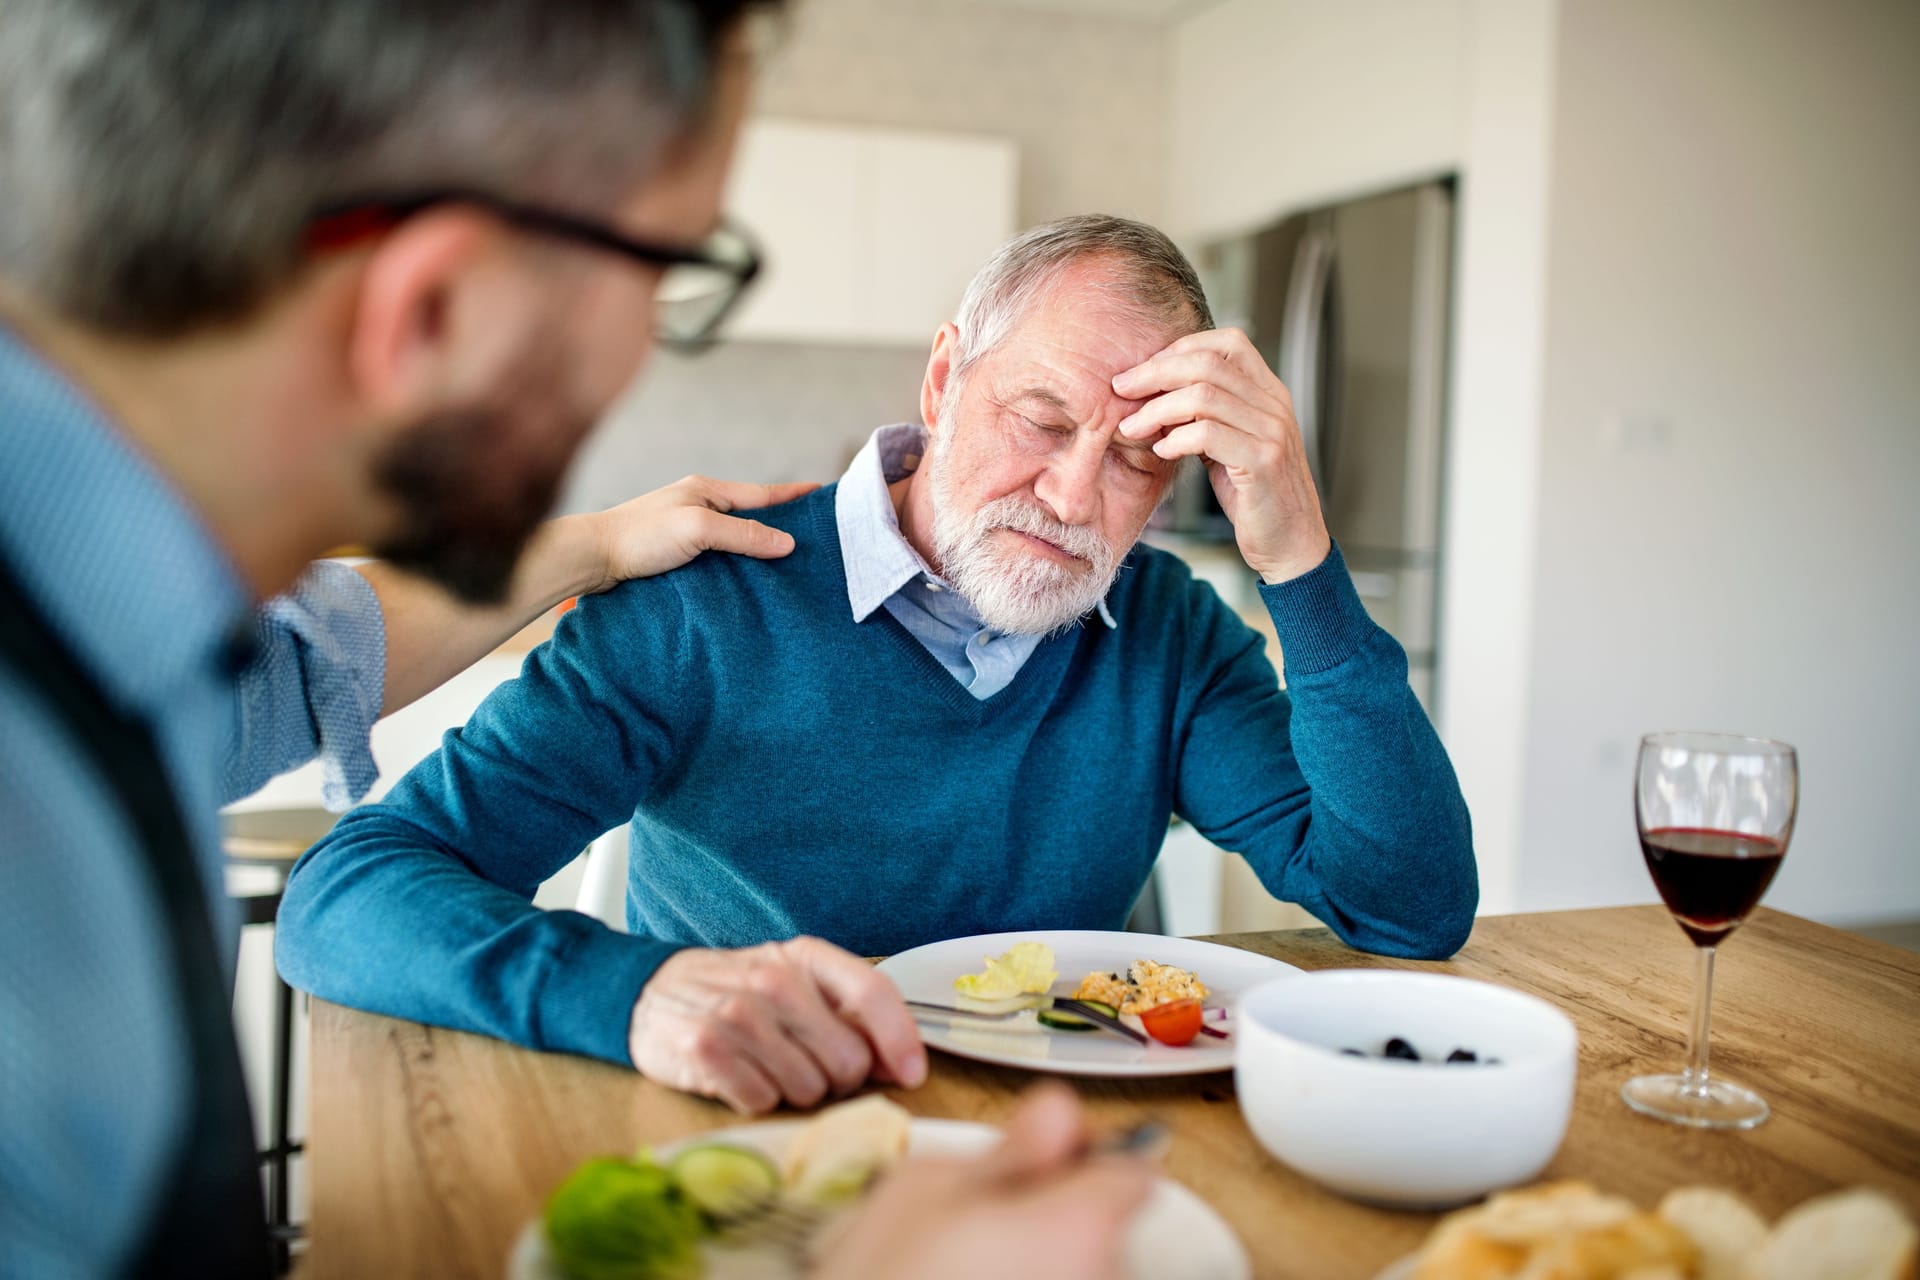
<point>431,1148</point>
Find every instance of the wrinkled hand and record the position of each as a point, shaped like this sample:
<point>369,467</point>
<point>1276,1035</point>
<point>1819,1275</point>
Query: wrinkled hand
<point>1211,395</point>
<point>783,1022</point>
<point>1032,1207</point>
<point>664,529</point>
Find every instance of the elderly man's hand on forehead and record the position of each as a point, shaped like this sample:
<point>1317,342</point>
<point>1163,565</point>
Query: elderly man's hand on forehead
<point>1211,395</point>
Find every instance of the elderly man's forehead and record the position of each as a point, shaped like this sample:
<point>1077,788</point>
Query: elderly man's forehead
<point>1070,343</point>
<point>1108,292</point>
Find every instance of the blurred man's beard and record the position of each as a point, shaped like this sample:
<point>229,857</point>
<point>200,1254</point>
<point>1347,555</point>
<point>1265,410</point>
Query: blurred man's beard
<point>1012,589</point>
<point>474,484</point>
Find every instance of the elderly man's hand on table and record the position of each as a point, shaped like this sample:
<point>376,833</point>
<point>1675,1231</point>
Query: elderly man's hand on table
<point>1035,1207</point>
<point>792,1022</point>
<point>1211,395</point>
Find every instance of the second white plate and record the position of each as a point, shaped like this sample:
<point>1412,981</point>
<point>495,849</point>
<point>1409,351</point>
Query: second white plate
<point>927,973</point>
<point>1177,1236</point>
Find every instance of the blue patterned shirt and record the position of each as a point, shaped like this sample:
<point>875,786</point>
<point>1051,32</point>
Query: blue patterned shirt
<point>883,569</point>
<point>92,1065</point>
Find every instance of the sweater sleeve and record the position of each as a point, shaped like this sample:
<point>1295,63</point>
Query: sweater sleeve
<point>420,907</point>
<point>1336,789</point>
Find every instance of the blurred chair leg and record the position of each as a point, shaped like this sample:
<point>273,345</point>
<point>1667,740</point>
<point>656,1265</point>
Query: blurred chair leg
<point>275,839</point>
<point>279,1204</point>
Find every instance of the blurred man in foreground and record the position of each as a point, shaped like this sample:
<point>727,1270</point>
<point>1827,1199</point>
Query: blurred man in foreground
<point>276,278</point>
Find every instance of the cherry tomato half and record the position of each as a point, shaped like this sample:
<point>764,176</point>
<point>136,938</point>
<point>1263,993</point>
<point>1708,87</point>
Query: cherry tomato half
<point>1175,1022</point>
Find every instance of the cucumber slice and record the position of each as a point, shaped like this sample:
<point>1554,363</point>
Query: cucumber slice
<point>725,1181</point>
<point>1072,1022</point>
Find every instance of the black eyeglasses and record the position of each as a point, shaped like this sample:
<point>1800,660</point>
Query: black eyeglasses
<point>699,287</point>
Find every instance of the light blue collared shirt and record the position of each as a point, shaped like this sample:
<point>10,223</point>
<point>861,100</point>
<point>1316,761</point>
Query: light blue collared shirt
<point>314,688</point>
<point>93,1086</point>
<point>884,569</point>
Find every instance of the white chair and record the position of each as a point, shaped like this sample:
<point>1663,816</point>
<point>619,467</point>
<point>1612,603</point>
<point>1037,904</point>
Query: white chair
<point>1168,904</point>
<point>603,883</point>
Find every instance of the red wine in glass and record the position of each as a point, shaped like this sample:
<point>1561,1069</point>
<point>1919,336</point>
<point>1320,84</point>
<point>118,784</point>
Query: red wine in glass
<point>1710,880</point>
<point>1715,813</point>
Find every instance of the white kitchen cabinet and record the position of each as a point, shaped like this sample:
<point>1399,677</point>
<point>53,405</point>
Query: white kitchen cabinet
<point>870,235</point>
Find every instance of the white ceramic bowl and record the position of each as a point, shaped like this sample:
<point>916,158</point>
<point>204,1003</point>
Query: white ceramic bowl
<point>1411,1135</point>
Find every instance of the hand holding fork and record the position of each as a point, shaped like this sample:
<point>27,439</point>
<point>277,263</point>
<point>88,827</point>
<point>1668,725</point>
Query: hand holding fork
<point>1050,1202</point>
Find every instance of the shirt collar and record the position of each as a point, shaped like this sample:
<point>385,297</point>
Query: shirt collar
<point>122,566</point>
<point>879,560</point>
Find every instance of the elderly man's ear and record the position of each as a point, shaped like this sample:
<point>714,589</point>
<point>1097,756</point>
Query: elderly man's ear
<point>442,312</point>
<point>933,388</point>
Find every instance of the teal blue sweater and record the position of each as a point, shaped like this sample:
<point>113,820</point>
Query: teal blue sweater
<point>786,770</point>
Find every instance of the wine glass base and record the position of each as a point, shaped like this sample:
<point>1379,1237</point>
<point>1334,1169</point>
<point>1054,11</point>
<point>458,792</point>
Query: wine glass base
<point>1679,1099</point>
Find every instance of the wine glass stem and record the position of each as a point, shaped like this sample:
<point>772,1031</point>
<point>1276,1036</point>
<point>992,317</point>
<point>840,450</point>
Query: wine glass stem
<point>1702,1018</point>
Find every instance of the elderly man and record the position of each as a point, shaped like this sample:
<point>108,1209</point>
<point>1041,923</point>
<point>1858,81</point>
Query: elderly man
<point>968,702</point>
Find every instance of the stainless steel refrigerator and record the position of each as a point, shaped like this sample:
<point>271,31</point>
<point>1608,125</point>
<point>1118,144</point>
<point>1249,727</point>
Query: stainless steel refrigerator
<point>1350,304</point>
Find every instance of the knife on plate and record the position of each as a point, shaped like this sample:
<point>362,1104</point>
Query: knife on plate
<point>1058,1003</point>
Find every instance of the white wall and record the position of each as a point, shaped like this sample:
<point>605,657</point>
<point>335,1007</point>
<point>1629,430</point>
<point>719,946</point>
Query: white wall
<point>1282,104</point>
<point>1729,524</point>
<point>1278,106</point>
<point>749,411</point>
<point>1493,448</point>
<point>1082,94</point>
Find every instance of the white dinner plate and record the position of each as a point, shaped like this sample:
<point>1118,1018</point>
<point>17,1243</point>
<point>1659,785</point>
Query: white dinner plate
<point>1176,1237</point>
<point>927,973</point>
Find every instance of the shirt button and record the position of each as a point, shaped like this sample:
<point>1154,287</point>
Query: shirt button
<point>933,586</point>
<point>986,637</point>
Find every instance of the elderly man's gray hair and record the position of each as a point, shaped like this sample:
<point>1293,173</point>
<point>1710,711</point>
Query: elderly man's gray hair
<point>1151,273</point>
<point>161,160</point>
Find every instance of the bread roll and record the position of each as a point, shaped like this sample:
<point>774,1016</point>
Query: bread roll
<point>1465,1255</point>
<point>1848,1235</point>
<point>1643,1242</point>
<point>1570,1231</point>
<point>1504,1237</point>
<point>1722,1226</point>
<point>842,1148</point>
<point>1553,1209</point>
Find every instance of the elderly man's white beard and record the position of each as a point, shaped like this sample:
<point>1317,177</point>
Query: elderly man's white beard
<point>1013,590</point>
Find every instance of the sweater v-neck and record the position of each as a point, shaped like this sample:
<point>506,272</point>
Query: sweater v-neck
<point>1038,677</point>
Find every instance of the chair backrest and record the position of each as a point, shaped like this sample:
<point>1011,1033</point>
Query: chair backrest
<point>603,886</point>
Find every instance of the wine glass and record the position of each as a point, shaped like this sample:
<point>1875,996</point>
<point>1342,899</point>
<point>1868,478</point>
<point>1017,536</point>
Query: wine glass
<point>1715,812</point>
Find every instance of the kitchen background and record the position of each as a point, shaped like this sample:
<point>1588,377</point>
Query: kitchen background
<point>1681,371</point>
